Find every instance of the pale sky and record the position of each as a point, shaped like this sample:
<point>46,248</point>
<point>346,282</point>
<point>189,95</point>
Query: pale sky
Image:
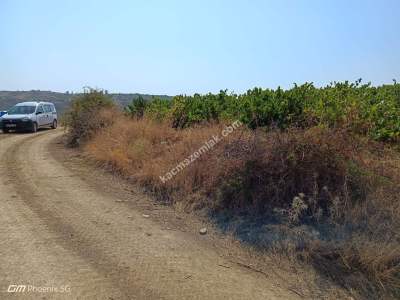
<point>174,47</point>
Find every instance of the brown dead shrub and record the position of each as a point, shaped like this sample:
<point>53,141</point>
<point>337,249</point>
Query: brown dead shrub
<point>87,115</point>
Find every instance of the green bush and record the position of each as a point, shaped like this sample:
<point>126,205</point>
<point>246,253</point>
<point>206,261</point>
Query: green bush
<point>158,109</point>
<point>136,108</point>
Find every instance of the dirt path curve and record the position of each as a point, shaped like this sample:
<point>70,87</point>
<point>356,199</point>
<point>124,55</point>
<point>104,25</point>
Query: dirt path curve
<point>57,231</point>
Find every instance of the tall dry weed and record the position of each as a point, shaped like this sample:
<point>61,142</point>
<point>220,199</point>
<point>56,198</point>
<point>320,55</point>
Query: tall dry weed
<point>335,192</point>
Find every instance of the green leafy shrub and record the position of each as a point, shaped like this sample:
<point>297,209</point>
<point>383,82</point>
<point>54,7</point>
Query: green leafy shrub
<point>137,108</point>
<point>158,109</point>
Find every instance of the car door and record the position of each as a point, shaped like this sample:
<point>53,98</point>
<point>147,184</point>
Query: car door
<point>53,112</point>
<point>41,116</point>
<point>47,111</point>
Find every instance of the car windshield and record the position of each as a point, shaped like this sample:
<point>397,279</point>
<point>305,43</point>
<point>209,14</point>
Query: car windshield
<point>22,110</point>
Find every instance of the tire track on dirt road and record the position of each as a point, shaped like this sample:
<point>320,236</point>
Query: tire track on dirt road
<point>30,253</point>
<point>57,229</point>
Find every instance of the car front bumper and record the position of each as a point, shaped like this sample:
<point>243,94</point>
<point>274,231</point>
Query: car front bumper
<point>16,124</point>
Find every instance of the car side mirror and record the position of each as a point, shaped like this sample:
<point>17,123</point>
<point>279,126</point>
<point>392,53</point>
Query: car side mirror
<point>38,113</point>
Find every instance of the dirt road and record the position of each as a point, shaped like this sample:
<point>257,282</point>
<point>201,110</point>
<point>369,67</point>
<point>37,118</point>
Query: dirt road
<point>57,231</point>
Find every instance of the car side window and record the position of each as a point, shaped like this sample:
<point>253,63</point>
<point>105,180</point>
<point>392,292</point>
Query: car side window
<point>40,109</point>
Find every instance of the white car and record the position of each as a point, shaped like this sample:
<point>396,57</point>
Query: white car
<point>29,116</point>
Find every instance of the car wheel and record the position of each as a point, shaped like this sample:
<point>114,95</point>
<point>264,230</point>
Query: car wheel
<point>54,126</point>
<point>34,127</point>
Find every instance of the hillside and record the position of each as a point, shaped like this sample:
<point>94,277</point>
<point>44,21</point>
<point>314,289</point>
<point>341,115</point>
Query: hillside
<point>61,100</point>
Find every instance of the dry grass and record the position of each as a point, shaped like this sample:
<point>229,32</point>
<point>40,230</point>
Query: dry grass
<point>146,150</point>
<point>334,197</point>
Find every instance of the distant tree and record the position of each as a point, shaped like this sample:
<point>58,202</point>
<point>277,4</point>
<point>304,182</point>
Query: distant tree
<point>136,108</point>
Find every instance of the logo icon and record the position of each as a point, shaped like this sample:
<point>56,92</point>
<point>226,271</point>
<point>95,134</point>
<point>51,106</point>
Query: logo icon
<point>12,288</point>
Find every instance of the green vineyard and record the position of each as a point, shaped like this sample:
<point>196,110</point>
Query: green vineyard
<point>361,108</point>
